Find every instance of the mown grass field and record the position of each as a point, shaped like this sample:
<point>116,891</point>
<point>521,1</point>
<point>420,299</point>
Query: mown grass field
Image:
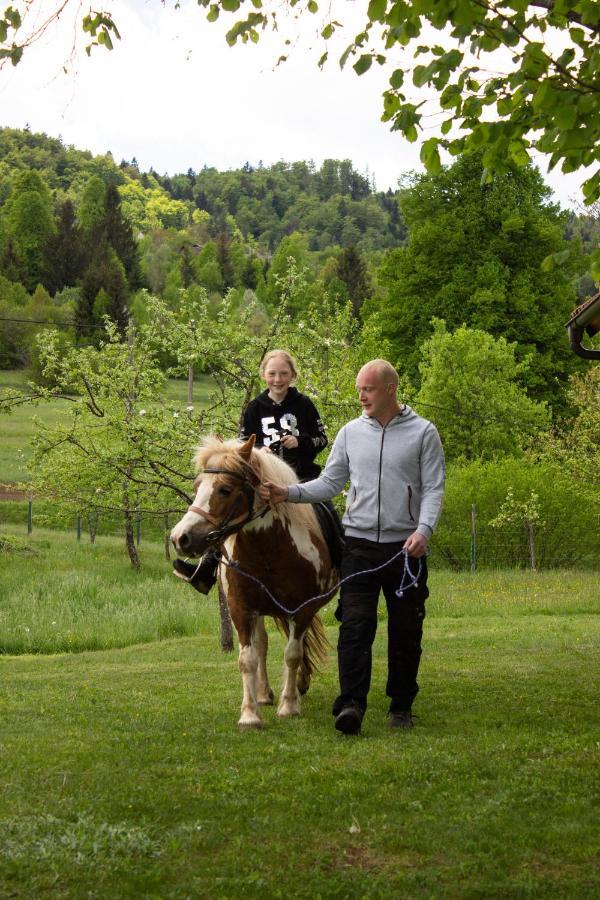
<point>17,429</point>
<point>123,773</point>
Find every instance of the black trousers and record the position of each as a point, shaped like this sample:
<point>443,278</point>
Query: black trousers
<point>357,613</point>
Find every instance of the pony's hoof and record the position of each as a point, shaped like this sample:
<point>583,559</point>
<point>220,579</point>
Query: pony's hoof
<point>266,699</point>
<point>249,723</point>
<point>287,711</point>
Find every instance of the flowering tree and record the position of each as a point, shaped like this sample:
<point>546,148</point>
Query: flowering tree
<point>328,343</point>
<point>120,449</point>
<point>521,512</point>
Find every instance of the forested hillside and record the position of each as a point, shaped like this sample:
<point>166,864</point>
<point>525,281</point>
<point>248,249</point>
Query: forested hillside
<point>82,237</point>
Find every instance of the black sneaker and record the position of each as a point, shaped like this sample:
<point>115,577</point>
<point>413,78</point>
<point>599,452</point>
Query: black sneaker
<point>349,720</point>
<point>400,718</point>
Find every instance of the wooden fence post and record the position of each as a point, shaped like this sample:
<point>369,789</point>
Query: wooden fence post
<point>473,538</point>
<point>167,540</point>
<point>30,516</point>
<point>78,527</point>
<point>531,541</point>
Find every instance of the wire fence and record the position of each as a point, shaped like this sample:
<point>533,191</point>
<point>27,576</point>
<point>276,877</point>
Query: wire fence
<point>467,548</point>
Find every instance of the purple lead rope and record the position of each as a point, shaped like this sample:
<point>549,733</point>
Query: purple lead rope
<point>407,575</point>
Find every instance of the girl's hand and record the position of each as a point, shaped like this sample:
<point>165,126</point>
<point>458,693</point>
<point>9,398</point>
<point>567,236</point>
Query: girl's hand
<point>289,441</point>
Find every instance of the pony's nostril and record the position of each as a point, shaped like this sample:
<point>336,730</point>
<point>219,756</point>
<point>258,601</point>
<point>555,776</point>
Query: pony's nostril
<point>184,541</point>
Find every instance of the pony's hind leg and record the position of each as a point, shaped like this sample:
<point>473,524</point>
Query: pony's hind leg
<point>248,663</point>
<point>289,702</point>
<point>264,694</point>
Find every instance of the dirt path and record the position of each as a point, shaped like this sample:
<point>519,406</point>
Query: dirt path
<point>7,492</point>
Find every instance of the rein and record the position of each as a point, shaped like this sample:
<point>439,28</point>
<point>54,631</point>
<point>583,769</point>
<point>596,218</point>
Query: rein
<point>409,580</point>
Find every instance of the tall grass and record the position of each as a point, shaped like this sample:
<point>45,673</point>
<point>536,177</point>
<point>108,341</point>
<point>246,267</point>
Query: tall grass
<point>58,595</point>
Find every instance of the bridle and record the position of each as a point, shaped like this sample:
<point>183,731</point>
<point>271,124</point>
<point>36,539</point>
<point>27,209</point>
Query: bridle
<point>227,526</point>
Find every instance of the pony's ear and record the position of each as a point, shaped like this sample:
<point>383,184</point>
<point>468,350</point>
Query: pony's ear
<point>219,437</point>
<point>246,449</point>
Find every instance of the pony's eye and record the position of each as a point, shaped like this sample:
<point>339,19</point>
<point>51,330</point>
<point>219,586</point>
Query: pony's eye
<point>224,491</point>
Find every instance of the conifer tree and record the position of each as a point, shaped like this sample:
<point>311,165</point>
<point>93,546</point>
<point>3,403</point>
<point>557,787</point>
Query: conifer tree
<point>352,270</point>
<point>64,252</point>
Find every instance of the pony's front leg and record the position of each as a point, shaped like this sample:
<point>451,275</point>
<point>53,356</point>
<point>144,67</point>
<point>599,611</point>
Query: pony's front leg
<point>264,694</point>
<point>289,702</point>
<point>248,663</point>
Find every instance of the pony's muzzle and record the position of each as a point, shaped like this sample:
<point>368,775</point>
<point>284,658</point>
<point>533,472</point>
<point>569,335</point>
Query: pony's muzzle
<point>182,542</point>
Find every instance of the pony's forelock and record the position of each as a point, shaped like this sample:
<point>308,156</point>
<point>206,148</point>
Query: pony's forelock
<point>222,454</point>
<point>216,453</point>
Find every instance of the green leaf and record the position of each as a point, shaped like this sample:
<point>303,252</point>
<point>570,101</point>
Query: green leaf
<point>230,5</point>
<point>363,63</point>
<point>566,115</point>
<point>591,188</point>
<point>421,75</point>
<point>397,79</point>
<point>313,6</point>
<point>430,156</point>
<point>213,13</point>
<point>376,10</point>
<point>327,31</point>
<point>549,263</point>
<point>344,57</point>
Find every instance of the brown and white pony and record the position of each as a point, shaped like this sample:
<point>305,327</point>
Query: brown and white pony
<point>281,547</point>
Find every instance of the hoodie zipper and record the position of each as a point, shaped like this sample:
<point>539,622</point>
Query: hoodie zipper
<point>379,484</point>
<point>409,503</point>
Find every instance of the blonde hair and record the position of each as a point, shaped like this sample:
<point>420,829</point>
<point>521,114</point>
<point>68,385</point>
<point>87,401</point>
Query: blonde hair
<point>283,353</point>
<point>385,370</point>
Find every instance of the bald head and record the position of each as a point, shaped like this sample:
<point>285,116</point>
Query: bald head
<point>377,384</point>
<point>381,370</point>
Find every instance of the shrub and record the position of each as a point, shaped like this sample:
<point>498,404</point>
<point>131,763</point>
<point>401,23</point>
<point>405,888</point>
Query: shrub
<point>569,510</point>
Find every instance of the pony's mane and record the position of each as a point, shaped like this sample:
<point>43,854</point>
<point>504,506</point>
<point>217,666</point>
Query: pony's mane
<point>216,453</point>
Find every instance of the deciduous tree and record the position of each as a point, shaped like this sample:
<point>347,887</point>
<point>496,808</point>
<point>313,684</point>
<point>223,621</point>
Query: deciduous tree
<point>471,390</point>
<point>474,256</point>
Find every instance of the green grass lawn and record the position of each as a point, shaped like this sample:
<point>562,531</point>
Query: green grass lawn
<point>122,773</point>
<point>17,429</point>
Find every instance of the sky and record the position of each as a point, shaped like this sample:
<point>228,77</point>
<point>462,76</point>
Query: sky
<point>175,96</point>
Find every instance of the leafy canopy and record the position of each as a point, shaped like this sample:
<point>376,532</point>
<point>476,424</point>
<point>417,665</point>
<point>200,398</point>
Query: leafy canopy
<point>473,256</point>
<point>470,388</point>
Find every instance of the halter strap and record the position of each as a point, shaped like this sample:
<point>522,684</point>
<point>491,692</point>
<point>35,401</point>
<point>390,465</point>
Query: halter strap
<point>228,526</point>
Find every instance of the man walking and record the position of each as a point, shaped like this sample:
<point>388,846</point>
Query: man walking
<point>394,461</point>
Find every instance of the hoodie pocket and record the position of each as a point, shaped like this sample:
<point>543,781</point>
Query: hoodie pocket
<point>350,501</point>
<point>410,496</point>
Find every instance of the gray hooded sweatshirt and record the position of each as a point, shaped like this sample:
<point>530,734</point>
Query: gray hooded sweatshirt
<point>396,476</point>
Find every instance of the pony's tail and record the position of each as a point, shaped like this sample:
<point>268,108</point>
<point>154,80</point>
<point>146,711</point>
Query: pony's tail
<point>316,646</point>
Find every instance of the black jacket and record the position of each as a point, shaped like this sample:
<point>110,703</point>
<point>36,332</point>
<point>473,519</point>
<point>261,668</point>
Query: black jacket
<point>297,415</point>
